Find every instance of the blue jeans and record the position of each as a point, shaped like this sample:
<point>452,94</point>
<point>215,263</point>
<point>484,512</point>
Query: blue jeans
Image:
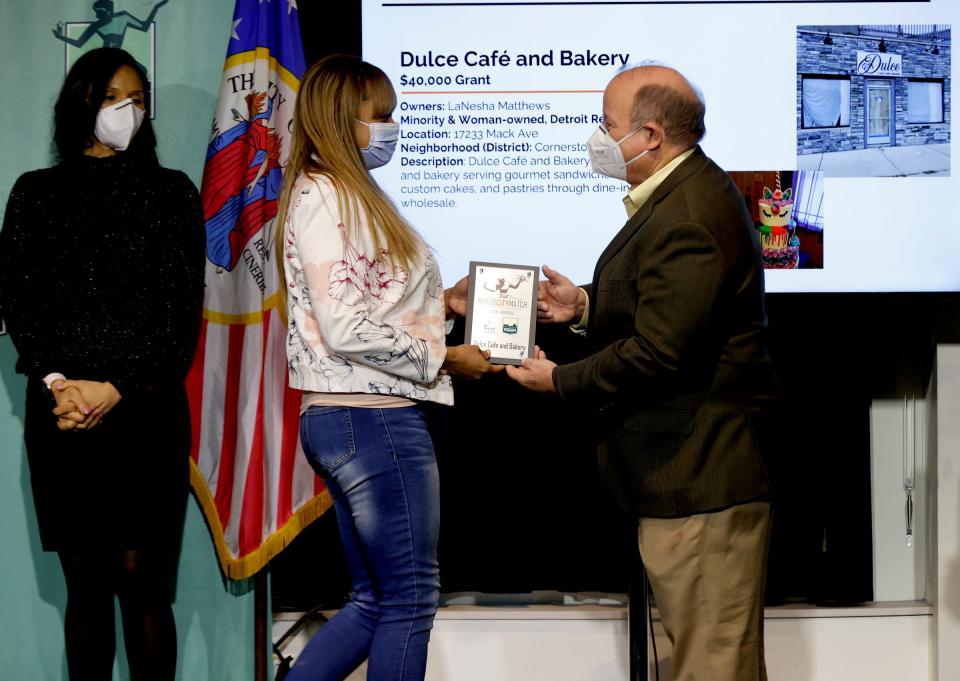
<point>381,470</point>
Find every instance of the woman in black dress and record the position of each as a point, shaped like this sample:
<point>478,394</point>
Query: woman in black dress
<point>101,279</point>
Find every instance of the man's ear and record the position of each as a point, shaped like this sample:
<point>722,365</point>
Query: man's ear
<point>655,134</point>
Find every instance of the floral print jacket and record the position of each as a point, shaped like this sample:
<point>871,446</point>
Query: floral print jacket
<point>356,324</point>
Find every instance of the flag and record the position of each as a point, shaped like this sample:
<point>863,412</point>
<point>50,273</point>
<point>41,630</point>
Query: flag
<point>253,484</point>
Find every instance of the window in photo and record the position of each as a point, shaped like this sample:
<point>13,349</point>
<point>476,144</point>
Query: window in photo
<point>808,200</point>
<point>825,102</point>
<point>925,101</point>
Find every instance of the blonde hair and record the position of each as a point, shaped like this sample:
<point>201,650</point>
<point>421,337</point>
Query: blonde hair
<point>324,117</point>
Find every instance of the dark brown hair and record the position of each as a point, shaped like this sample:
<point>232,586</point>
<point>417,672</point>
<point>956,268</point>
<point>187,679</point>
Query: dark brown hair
<point>82,94</point>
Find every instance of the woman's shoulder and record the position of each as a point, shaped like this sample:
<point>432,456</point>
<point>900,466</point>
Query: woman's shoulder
<point>316,184</point>
<point>41,177</point>
<point>39,187</point>
<point>314,192</point>
<point>174,179</point>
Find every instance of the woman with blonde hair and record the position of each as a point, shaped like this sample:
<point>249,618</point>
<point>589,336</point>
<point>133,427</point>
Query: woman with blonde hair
<point>366,345</point>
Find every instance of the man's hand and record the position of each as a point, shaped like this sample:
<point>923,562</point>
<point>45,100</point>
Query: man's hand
<point>92,399</point>
<point>455,298</point>
<point>558,299</point>
<point>535,374</point>
<point>469,361</point>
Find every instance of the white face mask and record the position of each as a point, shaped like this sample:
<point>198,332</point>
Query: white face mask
<point>383,141</point>
<point>606,156</point>
<point>118,123</point>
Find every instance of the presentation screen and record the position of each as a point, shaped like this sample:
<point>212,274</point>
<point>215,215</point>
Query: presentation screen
<point>833,119</point>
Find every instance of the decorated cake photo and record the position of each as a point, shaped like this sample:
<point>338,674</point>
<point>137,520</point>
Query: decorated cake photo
<point>786,208</point>
<point>778,231</point>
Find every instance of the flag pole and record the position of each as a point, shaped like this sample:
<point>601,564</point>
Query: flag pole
<point>260,625</point>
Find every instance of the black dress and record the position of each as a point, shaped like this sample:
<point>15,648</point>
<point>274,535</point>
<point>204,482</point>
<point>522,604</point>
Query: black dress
<point>101,278</point>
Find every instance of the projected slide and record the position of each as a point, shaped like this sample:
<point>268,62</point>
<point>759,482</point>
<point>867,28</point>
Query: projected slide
<point>846,126</point>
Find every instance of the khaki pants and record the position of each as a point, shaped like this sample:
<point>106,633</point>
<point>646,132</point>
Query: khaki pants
<point>707,573</point>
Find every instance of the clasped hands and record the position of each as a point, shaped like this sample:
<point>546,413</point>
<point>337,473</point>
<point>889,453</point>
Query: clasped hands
<point>81,405</point>
<point>559,301</point>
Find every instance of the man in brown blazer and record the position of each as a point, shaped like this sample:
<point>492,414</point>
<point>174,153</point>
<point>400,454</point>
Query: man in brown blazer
<point>680,375</point>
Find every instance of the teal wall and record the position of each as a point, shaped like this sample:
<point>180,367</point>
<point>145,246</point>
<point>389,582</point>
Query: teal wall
<point>215,628</point>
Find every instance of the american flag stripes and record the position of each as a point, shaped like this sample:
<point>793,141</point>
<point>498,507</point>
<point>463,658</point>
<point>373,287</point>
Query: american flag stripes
<point>255,488</point>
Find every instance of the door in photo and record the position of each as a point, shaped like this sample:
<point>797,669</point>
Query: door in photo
<point>879,112</point>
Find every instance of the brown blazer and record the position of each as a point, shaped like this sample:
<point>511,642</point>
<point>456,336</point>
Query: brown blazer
<point>681,373</point>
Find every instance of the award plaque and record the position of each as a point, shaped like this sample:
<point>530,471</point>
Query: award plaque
<point>502,310</point>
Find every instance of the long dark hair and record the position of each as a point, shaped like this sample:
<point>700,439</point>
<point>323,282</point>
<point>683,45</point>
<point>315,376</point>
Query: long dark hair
<point>83,91</point>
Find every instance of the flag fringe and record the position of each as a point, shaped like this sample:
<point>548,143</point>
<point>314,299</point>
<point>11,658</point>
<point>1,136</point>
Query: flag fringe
<point>246,566</point>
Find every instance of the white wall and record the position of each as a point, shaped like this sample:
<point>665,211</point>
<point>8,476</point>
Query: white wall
<point>849,648</point>
<point>589,643</point>
<point>897,436</point>
<point>946,591</point>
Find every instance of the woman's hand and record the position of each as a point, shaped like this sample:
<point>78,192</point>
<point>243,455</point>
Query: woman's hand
<point>71,410</point>
<point>455,298</point>
<point>92,399</point>
<point>469,361</point>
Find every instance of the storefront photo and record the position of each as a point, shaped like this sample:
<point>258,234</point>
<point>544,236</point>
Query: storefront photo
<point>874,101</point>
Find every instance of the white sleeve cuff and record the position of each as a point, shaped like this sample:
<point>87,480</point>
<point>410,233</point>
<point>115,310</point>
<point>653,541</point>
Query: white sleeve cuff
<point>581,325</point>
<point>50,378</point>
